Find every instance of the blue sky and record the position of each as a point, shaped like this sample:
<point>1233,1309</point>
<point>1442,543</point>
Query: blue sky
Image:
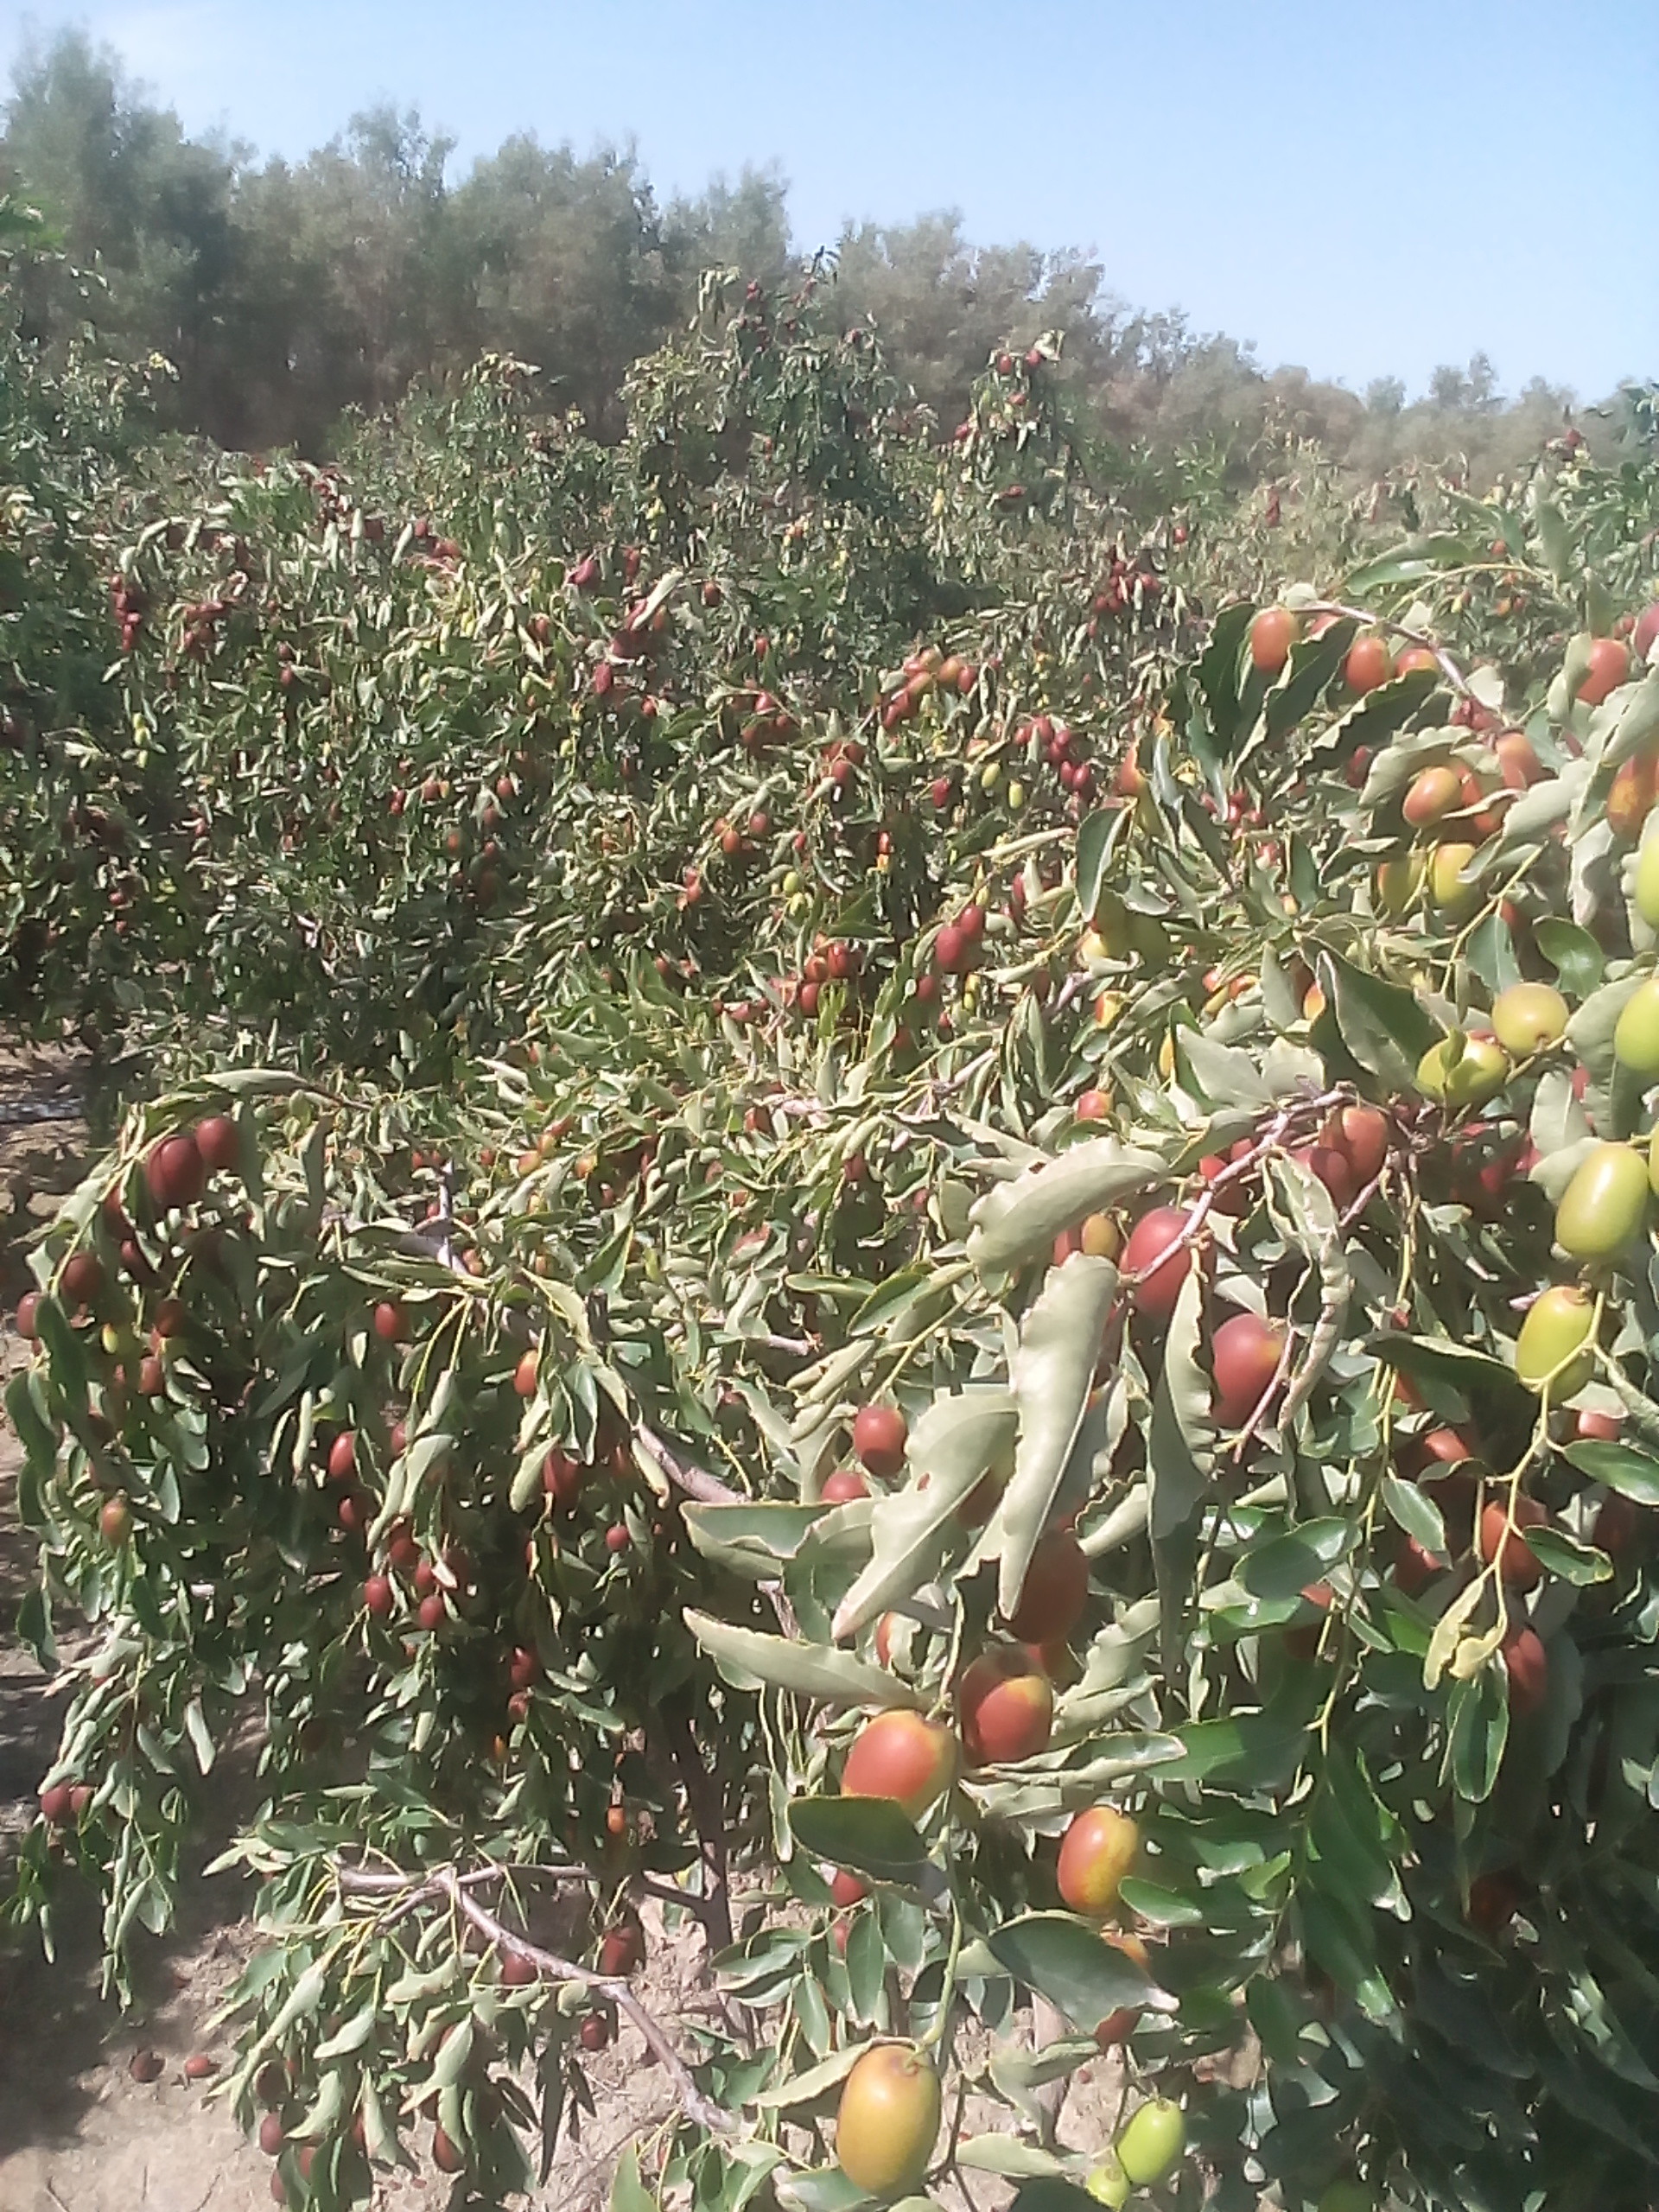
<point>1361,193</point>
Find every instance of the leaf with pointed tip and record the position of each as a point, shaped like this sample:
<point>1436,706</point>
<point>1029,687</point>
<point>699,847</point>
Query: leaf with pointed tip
<point>870,1834</point>
<point>1016,1221</point>
<point>1073,1967</point>
<point>960,1437</point>
<point>1053,1370</point>
<point>747,1658</point>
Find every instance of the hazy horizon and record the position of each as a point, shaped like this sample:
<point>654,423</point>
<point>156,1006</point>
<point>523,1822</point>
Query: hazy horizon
<point>1209,159</point>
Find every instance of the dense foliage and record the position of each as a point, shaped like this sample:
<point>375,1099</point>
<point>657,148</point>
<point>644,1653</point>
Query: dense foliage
<point>870,1187</point>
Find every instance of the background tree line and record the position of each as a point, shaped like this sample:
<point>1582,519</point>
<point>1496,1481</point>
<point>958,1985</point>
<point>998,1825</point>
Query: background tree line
<point>283,293</point>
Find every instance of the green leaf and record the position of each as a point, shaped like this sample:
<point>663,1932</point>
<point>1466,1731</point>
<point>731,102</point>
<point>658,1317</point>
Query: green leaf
<point>1016,1221</point>
<point>748,1658</point>
<point>1221,1074</point>
<point>867,1968</point>
<point>1162,1907</point>
<point>1633,1474</point>
<point>1409,563</point>
<point>825,2189</point>
<point>1218,673</point>
<point>1564,1556</point>
<point>1075,1968</point>
<point>870,1834</point>
<point>1572,953</point>
<point>1053,1370</point>
<point>1478,1725</point>
<point>1008,2155</point>
<point>805,2088</point>
<point>1384,1026</point>
<point>628,2192</point>
<point>1412,1510</point>
<point>1285,1565</point>
<point>1181,1444</point>
<point>1048,2194</point>
<point>755,1540</point>
<point>352,2037</point>
<point>1098,831</point>
<point>33,1432</point>
<point>960,1437</point>
<point>1256,1750</point>
<point>65,1358</point>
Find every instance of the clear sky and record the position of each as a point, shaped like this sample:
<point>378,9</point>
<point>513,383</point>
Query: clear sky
<point>1362,192</point>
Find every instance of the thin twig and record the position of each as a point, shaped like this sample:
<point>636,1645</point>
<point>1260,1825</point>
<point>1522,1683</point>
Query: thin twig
<point>444,1882</point>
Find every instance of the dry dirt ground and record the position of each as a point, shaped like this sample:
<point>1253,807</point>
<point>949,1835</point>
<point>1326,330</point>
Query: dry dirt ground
<point>78,2133</point>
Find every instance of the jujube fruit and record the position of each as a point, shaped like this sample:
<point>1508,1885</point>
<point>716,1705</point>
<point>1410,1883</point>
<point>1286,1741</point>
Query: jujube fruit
<point>1245,1355</point>
<point>1272,632</point>
<point>1605,1204</point>
<point>1152,1236</point>
<point>1100,1236</point>
<point>1363,1132</point>
<point>1446,887</point>
<point>880,1433</point>
<point>1517,1563</point>
<point>1525,1666</point>
<point>1152,2142</point>
<point>218,1141</point>
<point>272,2134</point>
<point>622,1949</point>
<point>903,1757</point>
<point>888,2120</point>
<point>1461,1080</point>
<point>1609,666</point>
<point>1636,1033</point>
<point>1006,1706</point>
<point>842,1487</point>
<point>1631,795</point>
<point>82,1279</point>
<point>1526,1017</point>
<point>1368,663</point>
<point>846,1889</point>
<point>175,1173</point>
<point>1097,1850</point>
<point>1431,794</point>
<point>1554,1335</point>
<point>446,2157</point>
<point>1647,883</point>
